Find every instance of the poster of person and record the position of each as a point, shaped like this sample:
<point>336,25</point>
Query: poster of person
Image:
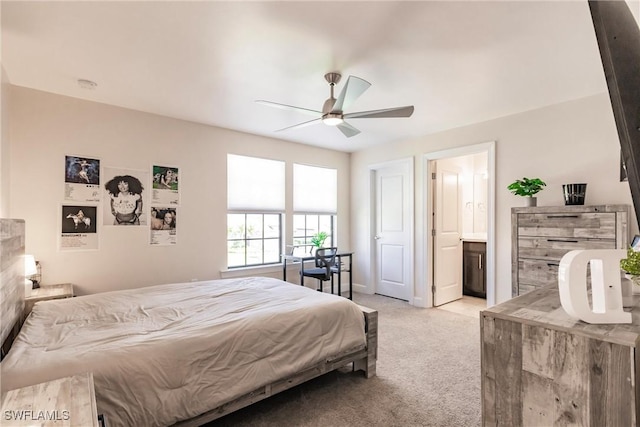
<point>81,179</point>
<point>125,196</point>
<point>165,185</point>
<point>78,228</point>
<point>163,226</point>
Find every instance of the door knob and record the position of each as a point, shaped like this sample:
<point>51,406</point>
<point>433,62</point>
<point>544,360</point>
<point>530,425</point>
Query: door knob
<point>377,237</point>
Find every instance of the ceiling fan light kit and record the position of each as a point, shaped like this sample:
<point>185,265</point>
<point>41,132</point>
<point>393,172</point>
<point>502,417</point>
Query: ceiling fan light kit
<point>332,119</point>
<point>332,113</point>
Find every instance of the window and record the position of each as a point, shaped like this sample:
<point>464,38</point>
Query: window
<point>305,226</point>
<point>253,239</point>
<point>314,203</point>
<point>255,203</point>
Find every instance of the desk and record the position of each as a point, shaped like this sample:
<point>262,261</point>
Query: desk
<point>339,256</point>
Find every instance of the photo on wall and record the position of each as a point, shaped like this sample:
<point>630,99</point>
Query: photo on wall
<point>78,228</point>
<point>163,226</point>
<point>81,179</point>
<point>166,188</point>
<point>125,197</point>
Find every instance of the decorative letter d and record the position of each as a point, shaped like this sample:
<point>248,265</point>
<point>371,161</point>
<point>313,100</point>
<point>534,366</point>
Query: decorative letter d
<point>606,291</point>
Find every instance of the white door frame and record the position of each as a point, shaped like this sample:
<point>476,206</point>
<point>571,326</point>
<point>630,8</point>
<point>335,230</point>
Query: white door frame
<point>372,222</point>
<point>427,265</point>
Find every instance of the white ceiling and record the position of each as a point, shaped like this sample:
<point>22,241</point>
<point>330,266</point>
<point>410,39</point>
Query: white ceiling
<point>457,62</point>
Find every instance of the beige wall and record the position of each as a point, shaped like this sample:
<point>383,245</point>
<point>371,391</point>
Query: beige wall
<point>569,142</point>
<point>4,134</point>
<point>4,144</point>
<point>46,127</point>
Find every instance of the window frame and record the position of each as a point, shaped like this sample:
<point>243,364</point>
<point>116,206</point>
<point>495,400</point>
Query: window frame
<point>307,237</point>
<point>246,239</point>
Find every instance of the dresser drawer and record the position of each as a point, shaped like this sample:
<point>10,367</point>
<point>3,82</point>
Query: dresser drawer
<point>554,248</point>
<point>536,273</point>
<point>601,225</point>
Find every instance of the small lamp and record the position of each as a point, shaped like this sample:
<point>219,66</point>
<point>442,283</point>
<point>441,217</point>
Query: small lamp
<point>30,269</point>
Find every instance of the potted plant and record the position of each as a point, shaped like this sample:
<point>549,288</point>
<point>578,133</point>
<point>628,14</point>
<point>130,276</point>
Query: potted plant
<point>631,266</point>
<point>527,187</point>
<point>317,240</point>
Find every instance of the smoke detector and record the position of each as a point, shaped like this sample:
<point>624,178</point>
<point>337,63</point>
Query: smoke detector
<point>87,84</point>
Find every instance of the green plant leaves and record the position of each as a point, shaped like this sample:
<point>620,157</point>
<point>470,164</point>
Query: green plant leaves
<point>631,264</point>
<point>526,186</point>
<point>319,238</point>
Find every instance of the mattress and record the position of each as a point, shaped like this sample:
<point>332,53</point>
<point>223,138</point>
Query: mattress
<point>166,353</point>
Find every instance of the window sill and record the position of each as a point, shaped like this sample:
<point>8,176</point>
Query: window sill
<point>249,271</point>
<point>231,273</point>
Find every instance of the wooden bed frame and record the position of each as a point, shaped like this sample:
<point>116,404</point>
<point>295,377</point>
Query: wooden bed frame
<point>364,360</point>
<point>12,305</point>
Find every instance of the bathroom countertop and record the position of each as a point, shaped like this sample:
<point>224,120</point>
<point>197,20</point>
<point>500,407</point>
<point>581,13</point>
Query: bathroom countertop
<point>474,237</point>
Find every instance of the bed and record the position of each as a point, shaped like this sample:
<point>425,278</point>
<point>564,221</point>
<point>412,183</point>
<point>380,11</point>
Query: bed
<point>189,353</point>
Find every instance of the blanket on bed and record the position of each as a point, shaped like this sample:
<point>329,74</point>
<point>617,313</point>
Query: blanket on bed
<point>166,353</point>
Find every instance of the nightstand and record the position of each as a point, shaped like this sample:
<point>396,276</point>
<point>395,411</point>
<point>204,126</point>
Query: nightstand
<point>68,401</point>
<point>47,292</point>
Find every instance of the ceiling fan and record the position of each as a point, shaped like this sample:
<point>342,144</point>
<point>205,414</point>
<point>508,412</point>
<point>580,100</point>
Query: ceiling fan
<point>332,113</point>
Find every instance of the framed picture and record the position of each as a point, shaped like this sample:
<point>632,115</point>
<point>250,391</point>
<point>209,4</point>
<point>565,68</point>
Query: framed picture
<point>78,227</point>
<point>81,179</point>
<point>165,184</point>
<point>125,197</point>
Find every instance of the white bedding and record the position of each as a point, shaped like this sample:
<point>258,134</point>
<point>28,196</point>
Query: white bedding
<point>167,353</point>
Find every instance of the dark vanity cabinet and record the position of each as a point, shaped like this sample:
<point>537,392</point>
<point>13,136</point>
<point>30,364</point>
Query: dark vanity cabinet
<point>474,276</point>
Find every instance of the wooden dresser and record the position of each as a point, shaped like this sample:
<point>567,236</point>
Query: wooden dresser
<point>542,368</point>
<point>542,235</point>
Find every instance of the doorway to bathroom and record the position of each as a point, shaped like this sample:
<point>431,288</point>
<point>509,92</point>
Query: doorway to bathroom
<point>460,242</point>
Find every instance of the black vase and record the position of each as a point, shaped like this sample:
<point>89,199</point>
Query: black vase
<point>574,194</point>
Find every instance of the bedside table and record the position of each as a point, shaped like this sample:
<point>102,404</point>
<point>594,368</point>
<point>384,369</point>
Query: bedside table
<point>68,401</point>
<point>47,292</point>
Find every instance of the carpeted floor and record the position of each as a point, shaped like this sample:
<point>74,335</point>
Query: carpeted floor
<point>428,374</point>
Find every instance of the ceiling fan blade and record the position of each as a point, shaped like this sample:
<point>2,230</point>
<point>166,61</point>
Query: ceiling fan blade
<point>387,112</point>
<point>300,125</point>
<point>353,88</point>
<point>347,129</point>
<point>289,107</point>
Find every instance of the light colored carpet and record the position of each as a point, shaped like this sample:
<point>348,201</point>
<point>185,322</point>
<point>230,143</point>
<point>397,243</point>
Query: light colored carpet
<point>428,374</point>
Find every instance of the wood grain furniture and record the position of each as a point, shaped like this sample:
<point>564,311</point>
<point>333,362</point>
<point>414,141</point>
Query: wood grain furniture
<point>68,401</point>
<point>474,273</point>
<point>542,368</point>
<point>11,278</point>
<point>542,235</point>
<point>47,292</point>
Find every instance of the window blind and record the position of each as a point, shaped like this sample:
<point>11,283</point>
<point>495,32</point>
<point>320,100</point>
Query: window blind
<point>315,189</point>
<point>255,184</point>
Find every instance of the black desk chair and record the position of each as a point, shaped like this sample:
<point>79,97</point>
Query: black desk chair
<point>337,270</point>
<point>325,261</point>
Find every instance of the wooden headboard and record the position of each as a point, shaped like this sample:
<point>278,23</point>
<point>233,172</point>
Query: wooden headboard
<point>11,274</point>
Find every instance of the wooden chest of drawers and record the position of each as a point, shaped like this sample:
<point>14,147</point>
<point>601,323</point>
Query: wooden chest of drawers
<point>542,235</point>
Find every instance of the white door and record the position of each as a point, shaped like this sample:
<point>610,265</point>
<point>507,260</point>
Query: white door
<point>447,246</point>
<point>393,233</point>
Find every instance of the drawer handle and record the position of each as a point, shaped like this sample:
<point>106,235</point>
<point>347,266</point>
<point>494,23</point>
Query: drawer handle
<point>562,240</point>
<point>553,264</point>
<point>562,216</point>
